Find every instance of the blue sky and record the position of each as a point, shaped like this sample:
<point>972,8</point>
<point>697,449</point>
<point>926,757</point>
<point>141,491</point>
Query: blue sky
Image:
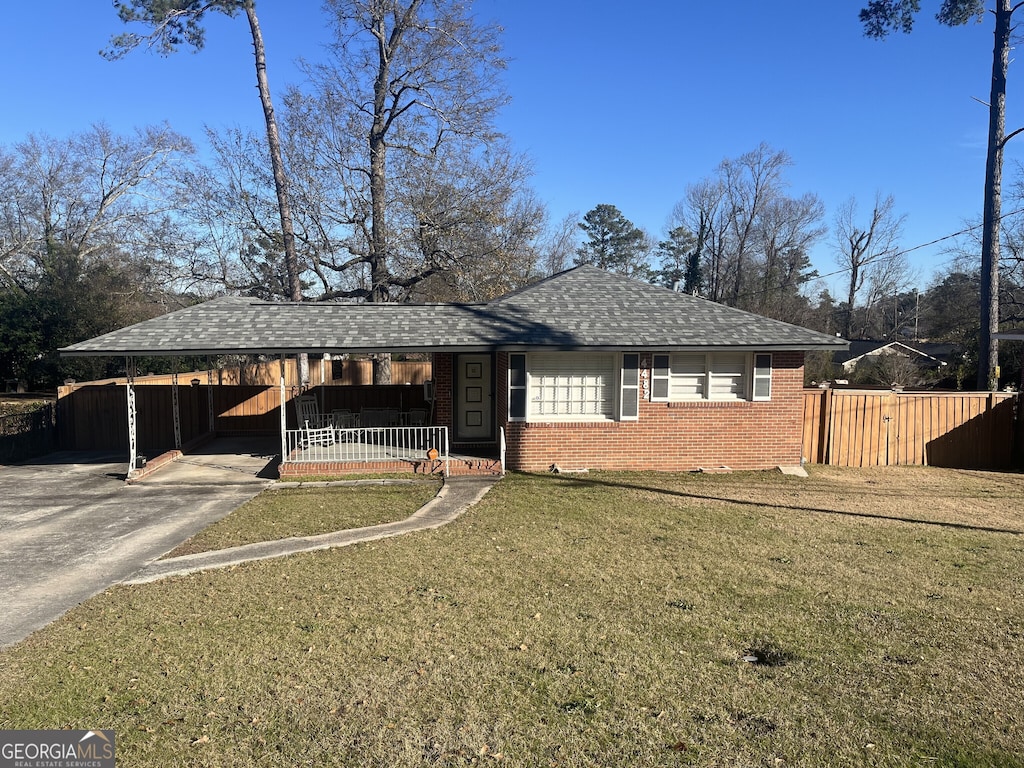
<point>621,103</point>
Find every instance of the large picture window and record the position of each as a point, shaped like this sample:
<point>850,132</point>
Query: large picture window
<point>571,384</point>
<point>562,386</point>
<point>685,376</point>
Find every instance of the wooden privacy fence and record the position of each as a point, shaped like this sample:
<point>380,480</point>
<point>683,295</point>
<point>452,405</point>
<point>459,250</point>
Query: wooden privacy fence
<point>92,417</point>
<point>268,374</point>
<point>95,417</point>
<point>859,428</point>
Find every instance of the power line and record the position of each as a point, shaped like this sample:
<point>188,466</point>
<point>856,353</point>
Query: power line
<point>758,292</point>
<point>936,241</point>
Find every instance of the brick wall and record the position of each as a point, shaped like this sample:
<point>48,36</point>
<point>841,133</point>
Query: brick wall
<point>667,437</point>
<point>672,436</point>
<point>444,384</point>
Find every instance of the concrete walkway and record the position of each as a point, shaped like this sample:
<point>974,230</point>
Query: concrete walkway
<point>456,496</point>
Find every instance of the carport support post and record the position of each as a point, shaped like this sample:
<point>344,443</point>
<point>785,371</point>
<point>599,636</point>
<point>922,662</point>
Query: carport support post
<point>284,418</point>
<point>177,410</point>
<point>133,454</point>
<point>209,397</point>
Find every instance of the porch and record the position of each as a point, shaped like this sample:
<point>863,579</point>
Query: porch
<point>370,428</point>
<point>421,450</point>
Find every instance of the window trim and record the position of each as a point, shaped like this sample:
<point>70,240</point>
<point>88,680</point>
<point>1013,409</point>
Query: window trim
<point>524,387</point>
<point>632,386</point>
<point>755,376</point>
<point>661,380</point>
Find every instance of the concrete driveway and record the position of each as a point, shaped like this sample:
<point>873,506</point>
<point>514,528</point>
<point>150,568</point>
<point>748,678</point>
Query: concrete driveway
<point>70,527</point>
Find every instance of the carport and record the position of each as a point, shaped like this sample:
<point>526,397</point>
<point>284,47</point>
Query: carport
<point>242,326</point>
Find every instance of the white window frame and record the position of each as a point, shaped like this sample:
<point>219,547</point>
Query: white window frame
<point>663,382</point>
<point>533,384</point>
<point>661,377</point>
<point>524,387</point>
<point>629,387</point>
<point>760,374</point>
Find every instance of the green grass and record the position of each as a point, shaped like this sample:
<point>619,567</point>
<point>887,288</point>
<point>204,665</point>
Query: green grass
<point>285,512</point>
<point>580,621</point>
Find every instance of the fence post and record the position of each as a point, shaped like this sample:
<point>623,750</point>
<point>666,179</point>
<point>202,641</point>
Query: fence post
<point>892,429</point>
<point>176,410</point>
<point>211,418</point>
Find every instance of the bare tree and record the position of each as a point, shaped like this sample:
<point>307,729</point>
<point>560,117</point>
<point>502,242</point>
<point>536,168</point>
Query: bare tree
<point>787,229</point>
<point>412,91</point>
<point>703,212</point>
<point>400,123</point>
<point>172,23</point>
<point>558,244</point>
<point>89,242</point>
<point>752,236</point>
<point>91,195</point>
<point>868,249</point>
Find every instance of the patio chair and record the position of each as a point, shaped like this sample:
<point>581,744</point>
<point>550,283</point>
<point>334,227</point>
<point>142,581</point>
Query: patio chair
<point>343,418</point>
<point>317,429</point>
<point>373,417</point>
<point>417,417</point>
<point>347,424</point>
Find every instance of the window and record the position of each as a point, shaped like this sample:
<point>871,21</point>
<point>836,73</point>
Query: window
<point>629,397</point>
<point>661,377</point>
<point>684,376</point>
<point>727,375</point>
<point>517,386</point>
<point>689,377</point>
<point>571,384</point>
<point>762,376</point>
<point>564,386</point>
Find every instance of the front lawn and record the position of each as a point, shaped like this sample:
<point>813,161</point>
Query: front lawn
<point>858,617</point>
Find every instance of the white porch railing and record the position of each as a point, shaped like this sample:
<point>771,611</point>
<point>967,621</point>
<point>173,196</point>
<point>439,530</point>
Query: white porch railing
<point>362,445</point>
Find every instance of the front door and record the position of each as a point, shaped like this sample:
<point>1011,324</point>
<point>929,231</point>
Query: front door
<point>474,406</point>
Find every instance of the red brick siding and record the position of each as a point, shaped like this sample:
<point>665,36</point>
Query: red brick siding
<point>501,388</point>
<point>671,436</point>
<point>443,389</point>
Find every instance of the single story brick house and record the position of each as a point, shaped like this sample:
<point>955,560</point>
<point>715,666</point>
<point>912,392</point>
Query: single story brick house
<point>584,369</point>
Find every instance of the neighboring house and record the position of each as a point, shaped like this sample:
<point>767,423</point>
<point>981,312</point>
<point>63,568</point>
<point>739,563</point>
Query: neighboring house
<point>585,369</point>
<point>899,363</point>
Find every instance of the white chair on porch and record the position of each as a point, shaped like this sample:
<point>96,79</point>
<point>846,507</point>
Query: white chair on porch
<point>317,429</point>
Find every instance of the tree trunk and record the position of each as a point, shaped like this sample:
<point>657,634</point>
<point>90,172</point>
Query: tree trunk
<point>377,144</point>
<point>276,159</point>
<point>988,353</point>
<point>291,259</point>
<point>851,295</point>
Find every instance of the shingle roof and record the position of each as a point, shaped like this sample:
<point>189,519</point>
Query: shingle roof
<point>583,307</point>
